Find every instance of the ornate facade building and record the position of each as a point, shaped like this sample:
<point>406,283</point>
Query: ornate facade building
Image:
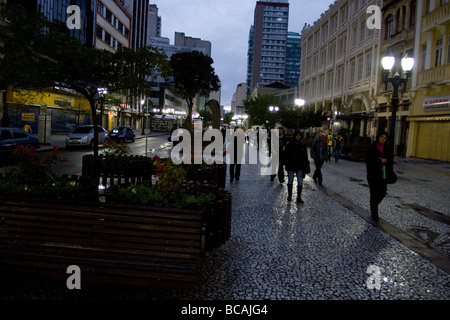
<point>339,67</point>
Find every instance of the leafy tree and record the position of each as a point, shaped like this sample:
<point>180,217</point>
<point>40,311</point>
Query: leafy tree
<point>206,116</point>
<point>258,111</point>
<point>310,118</point>
<point>35,55</point>
<point>193,74</point>
<point>289,116</point>
<point>228,117</point>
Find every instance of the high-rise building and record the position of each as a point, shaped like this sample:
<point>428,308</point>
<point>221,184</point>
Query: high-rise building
<point>113,25</point>
<point>237,103</point>
<point>189,42</point>
<point>154,23</point>
<point>138,9</point>
<point>268,43</point>
<point>55,12</point>
<point>293,56</point>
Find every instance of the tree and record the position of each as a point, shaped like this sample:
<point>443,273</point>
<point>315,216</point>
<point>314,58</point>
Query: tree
<point>228,117</point>
<point>258,111</point>
<point>206,116</point>
<point>310,118</point>
<point>193,74</point>
<point>35,55</point>
<point>288,116</point>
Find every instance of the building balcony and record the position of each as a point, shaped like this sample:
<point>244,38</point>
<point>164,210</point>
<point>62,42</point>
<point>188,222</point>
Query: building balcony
<point>437,17</point>
<point>434,75</point>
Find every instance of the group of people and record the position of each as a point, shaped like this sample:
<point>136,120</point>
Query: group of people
<point>335,143</point>
<point>293,157</point>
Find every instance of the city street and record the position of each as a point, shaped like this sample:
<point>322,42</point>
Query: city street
<point>325,249</point>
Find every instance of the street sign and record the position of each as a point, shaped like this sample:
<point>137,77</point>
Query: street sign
<point>43,109</point>
<point>27,116</point>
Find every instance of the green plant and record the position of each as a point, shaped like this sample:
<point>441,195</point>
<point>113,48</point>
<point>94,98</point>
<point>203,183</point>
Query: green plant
<point>113,149</point>
<point>149,195</point>
<point>170,177</point>
<point>34,169</point>
<point>35,174</point>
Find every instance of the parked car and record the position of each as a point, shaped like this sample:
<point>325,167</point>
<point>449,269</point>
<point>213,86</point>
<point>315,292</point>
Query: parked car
<point>122,134</point>
<point>11,138</point>
<point>84,136</point>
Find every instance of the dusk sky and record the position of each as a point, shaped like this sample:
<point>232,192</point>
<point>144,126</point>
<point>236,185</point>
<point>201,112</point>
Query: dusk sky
<point>226,25</point>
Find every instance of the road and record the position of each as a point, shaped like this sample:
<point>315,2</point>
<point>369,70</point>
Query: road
<point>155,145</point>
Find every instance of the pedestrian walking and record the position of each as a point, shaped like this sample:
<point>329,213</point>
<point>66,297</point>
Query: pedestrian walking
<point>282,142</point>
<point>235,163</point>
<point>338,144</point>
<point>329,140</point>
<point>296,159</point>
<point>379,160</point>
<point>319,152</point>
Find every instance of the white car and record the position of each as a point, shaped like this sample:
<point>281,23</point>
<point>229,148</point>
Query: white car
<point>84,136</point>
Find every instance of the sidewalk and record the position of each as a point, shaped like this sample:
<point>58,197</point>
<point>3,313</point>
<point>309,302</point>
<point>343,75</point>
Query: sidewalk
<point>321,250</point>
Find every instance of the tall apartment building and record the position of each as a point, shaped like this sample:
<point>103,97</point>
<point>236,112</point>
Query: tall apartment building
<point>293,57</point>
<point>267,43</point>
<point>189,42</point>
<point>339,66</point>
<point>154,23</point>
<point>112,32</point>
<point>237,102</point>
<point>138,9</point>
<point>429,120</point>
<point>113,24</point>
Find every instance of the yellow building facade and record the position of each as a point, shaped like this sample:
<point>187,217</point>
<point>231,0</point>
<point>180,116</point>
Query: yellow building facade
<point>429,120</point>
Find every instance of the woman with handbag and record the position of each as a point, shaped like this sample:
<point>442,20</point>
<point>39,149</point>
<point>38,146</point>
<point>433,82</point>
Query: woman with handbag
<point>296,161</point>
<point>379,164</point>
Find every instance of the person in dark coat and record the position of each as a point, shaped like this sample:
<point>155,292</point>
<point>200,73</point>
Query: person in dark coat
<point>235,164</point>
<point>282,142</point>
<point>295,158</point>
<point>379,160</point>
<point>319,152</point>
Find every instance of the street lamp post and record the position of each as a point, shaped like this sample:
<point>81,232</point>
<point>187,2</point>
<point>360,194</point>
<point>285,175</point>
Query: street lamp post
<point>407,65</point>
<point>101,95</point>
<point>143,116</point>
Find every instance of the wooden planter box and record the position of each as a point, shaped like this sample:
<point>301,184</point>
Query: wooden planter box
<point>119,170</point>
<point>115,243</point>
<point>138,169</point>
<point>214,175</point>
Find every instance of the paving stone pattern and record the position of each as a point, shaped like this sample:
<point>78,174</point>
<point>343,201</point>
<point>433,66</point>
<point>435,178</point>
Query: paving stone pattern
<point>320,250</point>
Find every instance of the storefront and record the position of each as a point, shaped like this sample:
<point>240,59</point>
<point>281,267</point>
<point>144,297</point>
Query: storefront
<point>431,130</point>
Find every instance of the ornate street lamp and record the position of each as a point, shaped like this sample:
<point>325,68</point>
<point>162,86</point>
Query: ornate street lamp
<point>101,95</point>
<point>396,80</point>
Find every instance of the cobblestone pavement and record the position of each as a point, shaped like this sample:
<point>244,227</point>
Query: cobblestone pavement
<point>319,250</point>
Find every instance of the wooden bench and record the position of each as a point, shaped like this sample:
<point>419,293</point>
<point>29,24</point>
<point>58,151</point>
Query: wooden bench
<point>109,243</point>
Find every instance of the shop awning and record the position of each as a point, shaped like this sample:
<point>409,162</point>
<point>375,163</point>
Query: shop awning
<point>439,103</point>
<point>435,118</point>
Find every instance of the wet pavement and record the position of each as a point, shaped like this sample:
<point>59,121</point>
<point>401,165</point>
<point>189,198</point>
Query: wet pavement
<point>325,249</point>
